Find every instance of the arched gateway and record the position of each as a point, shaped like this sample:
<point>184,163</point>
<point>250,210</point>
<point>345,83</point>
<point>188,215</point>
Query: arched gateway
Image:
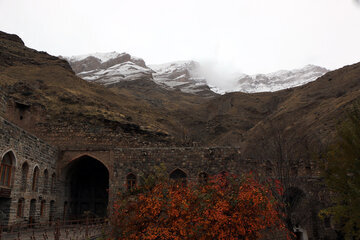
<point>86,188</point>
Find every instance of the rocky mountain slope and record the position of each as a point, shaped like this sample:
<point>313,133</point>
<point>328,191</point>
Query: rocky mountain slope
<point>114,68</point>
<point>186,76</point>
<point>61,101</point>
<point>279,80</point>
<point>140,112</point>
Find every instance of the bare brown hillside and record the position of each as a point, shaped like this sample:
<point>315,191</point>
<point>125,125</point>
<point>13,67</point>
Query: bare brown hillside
<point>142,113</point>
<point>48,83</point>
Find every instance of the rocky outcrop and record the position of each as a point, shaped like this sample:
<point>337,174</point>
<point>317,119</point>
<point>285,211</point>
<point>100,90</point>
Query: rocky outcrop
<point>184,76</point>
<point>278,80</point>
<point>110,68</point>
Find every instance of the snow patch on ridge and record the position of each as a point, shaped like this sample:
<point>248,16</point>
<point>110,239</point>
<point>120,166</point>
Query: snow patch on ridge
<point>126,71</point>
<point>189,76</point>
<point>103,57</point>
<point>279,80</point>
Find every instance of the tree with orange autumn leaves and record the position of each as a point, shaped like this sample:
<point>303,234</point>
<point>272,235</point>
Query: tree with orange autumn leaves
<point>226,207</point>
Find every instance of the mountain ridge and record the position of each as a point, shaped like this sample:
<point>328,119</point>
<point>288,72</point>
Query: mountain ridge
<point>142,113</point>
<point>188,76</point>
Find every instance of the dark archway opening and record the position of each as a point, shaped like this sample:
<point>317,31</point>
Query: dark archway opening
<point>203,178</point>
<point>178,176</point>
<point>88,184</point>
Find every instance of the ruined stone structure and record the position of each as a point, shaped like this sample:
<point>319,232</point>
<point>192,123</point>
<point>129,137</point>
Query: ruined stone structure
<point>43,182</point>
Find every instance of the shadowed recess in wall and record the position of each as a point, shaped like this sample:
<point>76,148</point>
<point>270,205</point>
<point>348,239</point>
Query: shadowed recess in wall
<point>86,189</point>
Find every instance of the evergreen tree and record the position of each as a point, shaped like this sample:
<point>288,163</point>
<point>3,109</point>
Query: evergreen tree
<point>342,177</point>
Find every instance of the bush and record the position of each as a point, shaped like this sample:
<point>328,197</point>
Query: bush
<point>227,207</point>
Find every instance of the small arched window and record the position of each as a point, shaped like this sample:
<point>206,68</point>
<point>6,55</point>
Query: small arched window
<point>130,181</point>
<point>24,175</point>
<point>35,179</point>
<point>46,180</point>
<point>20,207</point>
<point>6,169</point>
<point>179,176</point>
<point>42,208</point>
<point>203,178</point>
<point>53,183</point>
<point>52,210</point>
<point>65,210</point>
<point>224,174</point>
<point>32,211</point>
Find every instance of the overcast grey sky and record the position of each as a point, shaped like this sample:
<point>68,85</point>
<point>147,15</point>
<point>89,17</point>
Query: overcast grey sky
<point>251,36</point>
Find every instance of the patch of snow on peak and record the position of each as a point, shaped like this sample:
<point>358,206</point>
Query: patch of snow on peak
<point>185,76</point>
<point>126,71</point>
<point>279,80</point>
<point>103,57</point>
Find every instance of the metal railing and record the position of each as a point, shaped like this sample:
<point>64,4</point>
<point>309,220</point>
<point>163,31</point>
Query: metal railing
<point>88,228</point>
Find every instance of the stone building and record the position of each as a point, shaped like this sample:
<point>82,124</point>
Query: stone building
<point>42,182</point>
<point>28,176</point>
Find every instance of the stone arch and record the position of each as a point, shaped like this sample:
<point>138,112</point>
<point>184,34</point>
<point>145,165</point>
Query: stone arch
<point>13,154</point>
<point>35,179</point>
<point>45,181</point>
<point>223,172</point>
<point>203,177</point>
<point>52,211</point>
<point>53,183</point>
<point>32,211</point>
<point>8,163</point>
<point>131,181</point>
<point>293,196</point>
<point>42,208</point>
<point>178,175</point>
<point>24,176</point>
<point>90,155</point>
<point>65,210</point>
<point>295,201</point>
<point>86,184</point>
<point>20,207</point>
<point>7,172</point>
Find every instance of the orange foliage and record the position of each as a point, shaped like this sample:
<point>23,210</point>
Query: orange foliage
<point>225,208</point>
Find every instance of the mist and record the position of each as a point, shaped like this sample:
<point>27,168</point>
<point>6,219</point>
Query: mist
<point>227,37</point>
<point>220,74</point>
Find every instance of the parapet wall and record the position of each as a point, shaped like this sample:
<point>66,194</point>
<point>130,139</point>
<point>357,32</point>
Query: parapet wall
<point>191,160</point>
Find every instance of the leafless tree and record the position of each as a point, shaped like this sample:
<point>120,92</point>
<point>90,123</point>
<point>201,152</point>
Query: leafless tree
<point>286,157</point>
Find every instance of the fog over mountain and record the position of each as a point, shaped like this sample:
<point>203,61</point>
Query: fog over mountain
<point>248,36</point>
<point>186,76</point>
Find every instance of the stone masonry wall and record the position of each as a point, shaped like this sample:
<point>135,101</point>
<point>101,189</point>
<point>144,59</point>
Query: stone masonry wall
<point>191,160</point>
<point>36,153</point>
<point>2,103</point>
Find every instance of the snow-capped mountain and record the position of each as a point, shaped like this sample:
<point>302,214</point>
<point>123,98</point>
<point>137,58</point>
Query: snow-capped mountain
<point>278,80</point>
<point>186,76</point>
<point>189,76</point>
<point>103,57</point>
<point>112,68</point>
<point>181,75</point>
<point>126,71</point>
<point>109,68</point>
